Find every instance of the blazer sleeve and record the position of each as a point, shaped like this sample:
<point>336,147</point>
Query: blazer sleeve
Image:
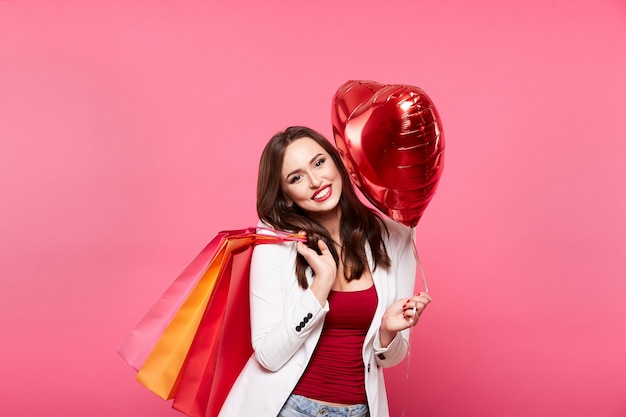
<point>403,272</point>
<point>283,315</point>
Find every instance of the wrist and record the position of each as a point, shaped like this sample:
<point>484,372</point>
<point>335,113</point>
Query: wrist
<point>321,289</point>
<point>386,337</point>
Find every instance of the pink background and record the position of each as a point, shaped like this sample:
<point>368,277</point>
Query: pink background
<point>130,134</point>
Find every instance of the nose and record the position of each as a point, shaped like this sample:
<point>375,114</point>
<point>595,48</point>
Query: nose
<point>316,181</point>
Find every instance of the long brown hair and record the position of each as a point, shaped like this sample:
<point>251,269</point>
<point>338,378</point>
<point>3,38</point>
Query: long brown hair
<point>359,224</point>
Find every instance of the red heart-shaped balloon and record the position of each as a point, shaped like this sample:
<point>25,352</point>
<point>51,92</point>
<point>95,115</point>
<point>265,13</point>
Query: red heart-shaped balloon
<point>391,141</point>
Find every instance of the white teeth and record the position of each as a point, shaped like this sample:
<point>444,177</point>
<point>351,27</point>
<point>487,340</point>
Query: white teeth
<point>322,193</point>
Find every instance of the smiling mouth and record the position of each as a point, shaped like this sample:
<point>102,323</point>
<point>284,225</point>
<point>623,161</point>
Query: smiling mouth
<point>323,193</point>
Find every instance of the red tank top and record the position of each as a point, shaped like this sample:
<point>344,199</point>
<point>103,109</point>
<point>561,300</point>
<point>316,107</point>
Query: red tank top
<point>336,371</point>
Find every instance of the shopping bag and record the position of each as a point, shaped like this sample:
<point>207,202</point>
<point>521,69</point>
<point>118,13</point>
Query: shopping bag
<point>198,334</point>
<point>160,371</point>
<point>221,349</point>
<point>137,346</point>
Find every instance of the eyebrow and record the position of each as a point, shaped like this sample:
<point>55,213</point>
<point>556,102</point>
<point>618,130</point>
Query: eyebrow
<point>298,170</point>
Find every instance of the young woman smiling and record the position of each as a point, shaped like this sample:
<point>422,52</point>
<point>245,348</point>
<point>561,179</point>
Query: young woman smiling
<point>327,315</point>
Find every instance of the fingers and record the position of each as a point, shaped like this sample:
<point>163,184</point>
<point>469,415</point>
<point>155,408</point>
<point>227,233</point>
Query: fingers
<point>307,252</point>
<point>414,306</point>
<point>422,299</point>
<point>323,247</point>
<point>304,250</point>
<point>418,301</point>
<point>322,263</point>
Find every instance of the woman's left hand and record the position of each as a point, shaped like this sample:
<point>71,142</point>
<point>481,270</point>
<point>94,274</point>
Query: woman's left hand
<point>401,315</point>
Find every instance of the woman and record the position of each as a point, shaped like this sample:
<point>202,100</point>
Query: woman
<point>327,315</point>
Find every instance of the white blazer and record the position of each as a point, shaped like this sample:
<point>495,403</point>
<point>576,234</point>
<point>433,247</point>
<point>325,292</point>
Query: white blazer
<point>287,322</point>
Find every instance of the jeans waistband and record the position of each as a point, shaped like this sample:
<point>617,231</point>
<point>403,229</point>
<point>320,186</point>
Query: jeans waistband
<point>297,406</point>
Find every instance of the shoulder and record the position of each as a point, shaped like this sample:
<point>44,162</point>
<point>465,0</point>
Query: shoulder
<point>265,229</point>
<point>277,248</point>
<point>396,232</point>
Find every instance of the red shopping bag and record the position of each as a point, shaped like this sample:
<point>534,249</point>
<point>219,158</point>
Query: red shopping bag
<point>222,345</point>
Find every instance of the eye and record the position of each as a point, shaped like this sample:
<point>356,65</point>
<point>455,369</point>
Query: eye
<point>320,162</point>
<point>295,178</point>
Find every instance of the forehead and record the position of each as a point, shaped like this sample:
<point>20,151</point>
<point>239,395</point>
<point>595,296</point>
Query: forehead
<point>300,152</point>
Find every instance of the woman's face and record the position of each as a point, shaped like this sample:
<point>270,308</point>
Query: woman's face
<point>310,178</point>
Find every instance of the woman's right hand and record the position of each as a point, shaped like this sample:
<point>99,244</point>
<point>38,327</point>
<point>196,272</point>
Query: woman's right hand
<point>324,268</point>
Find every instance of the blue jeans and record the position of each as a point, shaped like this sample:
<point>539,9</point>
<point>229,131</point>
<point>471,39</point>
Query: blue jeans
<point>299,406</point>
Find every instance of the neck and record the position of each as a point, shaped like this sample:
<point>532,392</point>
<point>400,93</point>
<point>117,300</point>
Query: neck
<point>332,222</point>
